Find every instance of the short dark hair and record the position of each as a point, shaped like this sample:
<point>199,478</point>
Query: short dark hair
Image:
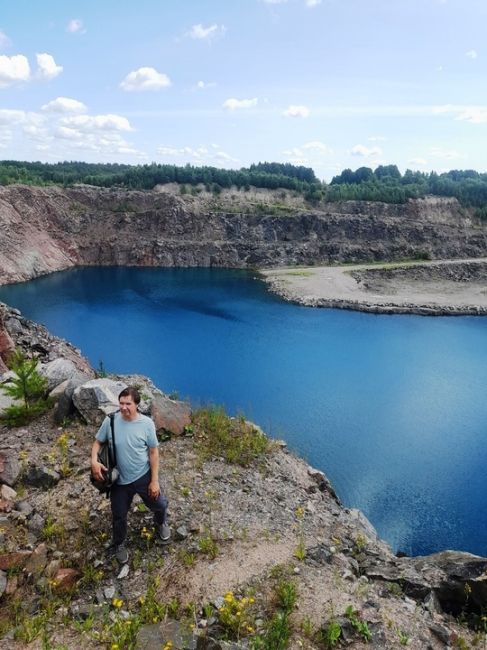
<point>132,392</point>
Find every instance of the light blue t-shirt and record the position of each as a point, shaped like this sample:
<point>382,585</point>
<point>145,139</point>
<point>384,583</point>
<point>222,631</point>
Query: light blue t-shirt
<point>132,441</point>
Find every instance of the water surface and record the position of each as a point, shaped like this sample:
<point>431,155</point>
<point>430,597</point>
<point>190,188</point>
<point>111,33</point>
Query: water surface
<point>392,408</point>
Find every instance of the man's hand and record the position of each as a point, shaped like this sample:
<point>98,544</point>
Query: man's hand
<point>154,489</point>
<point>97,470</point>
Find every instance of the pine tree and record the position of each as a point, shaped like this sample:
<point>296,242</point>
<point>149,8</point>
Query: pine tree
<point>27,386</point>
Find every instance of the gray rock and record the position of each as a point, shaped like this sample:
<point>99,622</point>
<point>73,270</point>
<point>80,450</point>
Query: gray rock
<point>57,371</point>
<point>96,398</point>
<point>154,637</point>
<point>24,507</point>
<point>9,467</point>
<point>181,533</point>
<point>36,523</point>
<point>43,477</point>
<point>64,404</point>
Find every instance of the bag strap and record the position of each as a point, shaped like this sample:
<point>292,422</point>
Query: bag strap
<point>112,448</point>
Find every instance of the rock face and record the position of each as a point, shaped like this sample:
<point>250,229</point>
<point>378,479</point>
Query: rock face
<point>50,229</point>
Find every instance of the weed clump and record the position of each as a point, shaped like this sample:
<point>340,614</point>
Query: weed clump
<point>235,439</point>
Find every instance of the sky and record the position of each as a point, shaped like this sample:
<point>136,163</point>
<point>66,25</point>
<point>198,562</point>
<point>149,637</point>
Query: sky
<point>329,84</point>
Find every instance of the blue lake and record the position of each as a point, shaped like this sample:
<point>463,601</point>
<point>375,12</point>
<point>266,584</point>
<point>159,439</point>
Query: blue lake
<point>392,408</point>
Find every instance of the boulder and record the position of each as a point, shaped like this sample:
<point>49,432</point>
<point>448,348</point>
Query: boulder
<point>42,477</point>
<point>457,580</point>
<point>57,371</point>
<point>63,395</point>
<point>96,398</point>
<point>170,415</point>
<point>9,467</point>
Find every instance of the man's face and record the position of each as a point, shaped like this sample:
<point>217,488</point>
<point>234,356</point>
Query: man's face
<point>128,408</point>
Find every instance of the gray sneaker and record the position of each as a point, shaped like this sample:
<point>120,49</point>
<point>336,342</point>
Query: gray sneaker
<point>121,553</point>
<point>163,532</point>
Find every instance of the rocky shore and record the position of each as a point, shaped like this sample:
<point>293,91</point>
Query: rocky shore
<point>268,539</point>
<point>440,288</point>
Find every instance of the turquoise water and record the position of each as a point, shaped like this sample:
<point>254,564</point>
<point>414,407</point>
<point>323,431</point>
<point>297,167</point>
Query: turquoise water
<point>392,408</point>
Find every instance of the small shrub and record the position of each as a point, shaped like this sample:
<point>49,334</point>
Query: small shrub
<point>28,387</point>
<point>235,439</point>
<point>236,616</point>
<point>331,634</point>
<point>208,546</point>
<point>360,626</point>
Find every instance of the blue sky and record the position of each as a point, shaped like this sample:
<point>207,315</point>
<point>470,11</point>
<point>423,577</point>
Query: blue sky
<point>328,84</point>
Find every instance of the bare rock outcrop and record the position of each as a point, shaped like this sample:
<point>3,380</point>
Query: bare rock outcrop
<point>50,228</point>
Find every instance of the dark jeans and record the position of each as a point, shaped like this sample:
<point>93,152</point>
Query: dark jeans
<point>121,498</point>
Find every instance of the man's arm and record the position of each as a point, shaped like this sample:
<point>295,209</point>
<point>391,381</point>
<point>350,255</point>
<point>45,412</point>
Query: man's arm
<point>154,487</point>
<point>97,468</point>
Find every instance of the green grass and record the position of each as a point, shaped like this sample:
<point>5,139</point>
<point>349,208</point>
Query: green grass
<point>234,439</point>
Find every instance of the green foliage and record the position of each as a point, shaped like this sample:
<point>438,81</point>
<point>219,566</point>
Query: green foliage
<point>360,626</point>
<point>331,634</point>
<point>28,387</point>
<point>385,183</point>
<point>235,439</point>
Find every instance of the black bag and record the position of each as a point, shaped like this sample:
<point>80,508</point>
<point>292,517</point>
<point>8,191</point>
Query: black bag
<point>107,456</point>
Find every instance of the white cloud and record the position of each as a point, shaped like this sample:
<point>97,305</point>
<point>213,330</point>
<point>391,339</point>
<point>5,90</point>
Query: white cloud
<point>4,40</point>
<point>64,105</point>
<point>47,67</point>
<point>75,26</point>
<point>366,152</point>
<point>418,161</point>
<point>203,85</point>
<point>199,32</point>
<point>446,154</point>
<point>476,115</point>
<point>471,54</point>
<point>145,79</point>
<point>87,123</point>
<point>297,111</point>
<point>309,154</point>
<point>232,103</point>
<point>36,132</point>
<point>473,114</point>
<point>13,69</point>
<point>198,156</point>
<point>376,138</point>
<point>313,3</point>
<point>316,145</point>
<point>10,116</point>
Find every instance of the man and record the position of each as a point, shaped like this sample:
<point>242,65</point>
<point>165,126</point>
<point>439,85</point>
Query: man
<point>137,455</point>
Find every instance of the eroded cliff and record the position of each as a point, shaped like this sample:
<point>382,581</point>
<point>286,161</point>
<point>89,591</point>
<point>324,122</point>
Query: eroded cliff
<point>45,229</point>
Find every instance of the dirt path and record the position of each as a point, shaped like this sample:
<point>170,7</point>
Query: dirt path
<point>438,287</point>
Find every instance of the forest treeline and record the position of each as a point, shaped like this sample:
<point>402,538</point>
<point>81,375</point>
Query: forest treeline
<point>385,183</point>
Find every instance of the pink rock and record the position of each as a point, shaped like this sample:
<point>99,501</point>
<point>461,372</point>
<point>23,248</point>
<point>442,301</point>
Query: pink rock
<point>15,560</point>
<point>170,415</point>
<point>7,346</point>
<point>66,579</point>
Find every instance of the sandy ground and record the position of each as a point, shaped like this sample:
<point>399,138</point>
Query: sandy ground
<point>335,286</point>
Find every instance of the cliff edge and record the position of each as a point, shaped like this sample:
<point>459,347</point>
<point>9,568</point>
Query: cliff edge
<point>262,551</point>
